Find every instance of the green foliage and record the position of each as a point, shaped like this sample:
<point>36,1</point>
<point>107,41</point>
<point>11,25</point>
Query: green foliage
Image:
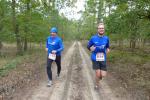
<point>129,20</point>
<point>124,19</point>
<point>9,66</point>
<point>128,56</point>
<point>34,19</point>
<point>4,20</point>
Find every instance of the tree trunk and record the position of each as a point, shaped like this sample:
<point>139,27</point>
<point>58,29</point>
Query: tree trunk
<point>120,43</point>
<point>25,44</point>
<point>100,11</point>
<point>16,28</point>
<point>26,26</point>
<point>18,40</point>
<point>132,43</point>
<point>1,45</point>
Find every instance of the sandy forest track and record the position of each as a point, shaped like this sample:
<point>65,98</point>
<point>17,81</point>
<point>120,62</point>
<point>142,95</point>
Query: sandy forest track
<point>75,83</point>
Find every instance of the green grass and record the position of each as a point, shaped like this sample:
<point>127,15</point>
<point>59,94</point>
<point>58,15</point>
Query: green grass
<point>11,65</point>
<point>7,67</point>
<point>3,61</point>
<point>125,56</point>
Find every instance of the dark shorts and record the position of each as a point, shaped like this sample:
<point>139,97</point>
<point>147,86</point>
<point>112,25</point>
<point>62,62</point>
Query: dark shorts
<point>99,65</point>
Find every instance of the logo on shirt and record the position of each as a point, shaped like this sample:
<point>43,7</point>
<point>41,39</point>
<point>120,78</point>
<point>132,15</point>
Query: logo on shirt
<point>52,43</point>
<point>101,47</point>
<point>95,42</point>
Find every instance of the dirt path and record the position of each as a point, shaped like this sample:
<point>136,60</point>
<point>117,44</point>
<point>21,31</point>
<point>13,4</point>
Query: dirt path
<point>75,83</point>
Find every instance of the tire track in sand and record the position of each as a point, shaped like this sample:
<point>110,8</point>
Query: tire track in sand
<point>78,88</point>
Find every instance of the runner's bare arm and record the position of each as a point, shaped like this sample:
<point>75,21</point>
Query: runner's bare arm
<point>46,49</point>
<point>92,48</point>
<point>108,50</point>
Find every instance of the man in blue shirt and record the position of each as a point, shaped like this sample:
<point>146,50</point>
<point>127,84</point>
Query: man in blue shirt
<point>99,47</point>
<point>54,47</point>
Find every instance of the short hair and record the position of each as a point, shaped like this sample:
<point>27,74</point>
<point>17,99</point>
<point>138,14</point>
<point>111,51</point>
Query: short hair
<point>101,23</point>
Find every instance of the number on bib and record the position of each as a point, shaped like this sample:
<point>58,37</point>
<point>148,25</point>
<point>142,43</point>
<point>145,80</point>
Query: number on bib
<point>52,56</point>
<point>100,57</point>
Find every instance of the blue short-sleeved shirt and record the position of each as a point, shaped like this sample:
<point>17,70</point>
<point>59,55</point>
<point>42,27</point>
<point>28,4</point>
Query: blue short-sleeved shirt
<point>101,44</point>
<point>54,43</point>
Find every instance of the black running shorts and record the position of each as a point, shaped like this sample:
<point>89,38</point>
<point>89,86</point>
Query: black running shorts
<point>99,65</point>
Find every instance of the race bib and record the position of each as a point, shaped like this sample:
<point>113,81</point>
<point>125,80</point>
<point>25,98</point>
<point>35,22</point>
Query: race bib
<point>52,56</point>
<point>100,57</point>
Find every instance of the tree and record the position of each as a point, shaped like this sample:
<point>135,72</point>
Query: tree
<point>16,27</point>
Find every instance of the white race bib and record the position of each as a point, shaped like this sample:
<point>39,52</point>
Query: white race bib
<point>100,57</point>
<point>52,56</point>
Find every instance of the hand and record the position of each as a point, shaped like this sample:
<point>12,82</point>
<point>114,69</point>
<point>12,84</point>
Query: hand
<point>53,51</point>
<point>46,49</point>
<point>92,48</point>
<point>108,50</point>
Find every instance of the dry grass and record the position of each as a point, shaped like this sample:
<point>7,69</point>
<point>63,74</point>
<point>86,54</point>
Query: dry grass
<point>132,70</point>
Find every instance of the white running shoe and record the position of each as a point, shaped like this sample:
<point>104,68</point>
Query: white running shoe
<point>96,87</point>
<point>49,84</point>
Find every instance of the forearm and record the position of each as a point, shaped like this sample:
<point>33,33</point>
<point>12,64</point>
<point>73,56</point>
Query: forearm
<point>60,49</point>
<point>108,50</point>
<point>46,49</point>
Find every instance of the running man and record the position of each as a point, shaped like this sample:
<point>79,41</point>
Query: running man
<point>99,47</point>
<point>54,47</point>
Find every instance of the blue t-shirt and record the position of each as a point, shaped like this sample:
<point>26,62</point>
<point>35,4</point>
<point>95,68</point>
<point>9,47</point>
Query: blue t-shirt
<point>54,43</point>
<point>101,44</point>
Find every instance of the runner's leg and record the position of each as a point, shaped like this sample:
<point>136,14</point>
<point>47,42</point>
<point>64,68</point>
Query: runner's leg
<point>98,75</point>
<point>58,63</point>
<point>49,71</point>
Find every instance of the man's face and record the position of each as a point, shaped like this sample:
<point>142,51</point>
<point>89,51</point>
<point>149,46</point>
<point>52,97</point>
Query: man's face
<point>101,29</point>
<point>53,34</point>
